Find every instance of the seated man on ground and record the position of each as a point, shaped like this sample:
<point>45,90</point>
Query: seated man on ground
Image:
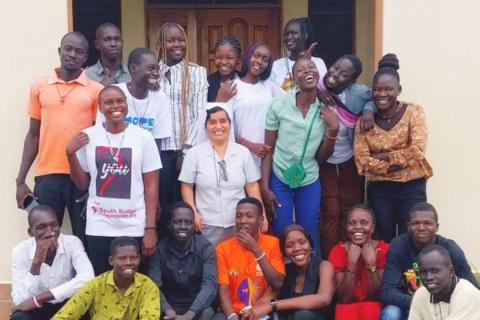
<point>184,269</point>
<point>250,265</point>
<point>121,293</point>
<point>48,268</point>
<point>401,276</point>
<point>444,294</point>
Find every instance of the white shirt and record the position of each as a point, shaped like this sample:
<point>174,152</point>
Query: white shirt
<point>152,113</point>
<point>197,100</point>
<point>342,150</point>
<point>464,304</point>
<point>69,271</point>
<point>280,72</point>
<point>201,168</point>
<point>250,106</point>
<point>116,199</point>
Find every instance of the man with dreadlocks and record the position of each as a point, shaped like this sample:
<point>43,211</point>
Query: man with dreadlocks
<point>185,83</point>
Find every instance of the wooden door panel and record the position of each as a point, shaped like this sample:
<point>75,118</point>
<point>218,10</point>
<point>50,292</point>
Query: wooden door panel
<point>205,26</point>
<point>248,25</point>
<point>186,17</point>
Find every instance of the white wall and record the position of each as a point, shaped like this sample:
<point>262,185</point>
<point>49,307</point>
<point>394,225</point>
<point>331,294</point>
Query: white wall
<point>438,46</point>
<point>31,33</point>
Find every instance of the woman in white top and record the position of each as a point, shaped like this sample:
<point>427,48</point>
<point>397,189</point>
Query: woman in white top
<point>118,164</point>
<point>254,95</point>
<point>222,171</point>
<point>297,38</point>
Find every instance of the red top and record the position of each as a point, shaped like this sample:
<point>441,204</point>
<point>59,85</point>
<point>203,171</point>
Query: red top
<point>338,257</point>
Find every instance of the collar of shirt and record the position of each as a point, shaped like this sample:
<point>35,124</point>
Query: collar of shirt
<point>446,299</point>
<point>293,102</point>
<point>229,152</point>
<point>60,249</point>
<point>81,79</point>
<point>100,70</point>
<point>136,284</point>
<point>171,248</point>
<point>165,68</point>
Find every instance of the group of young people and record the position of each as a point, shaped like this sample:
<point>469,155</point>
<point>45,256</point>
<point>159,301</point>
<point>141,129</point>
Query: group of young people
<point>183,176</point>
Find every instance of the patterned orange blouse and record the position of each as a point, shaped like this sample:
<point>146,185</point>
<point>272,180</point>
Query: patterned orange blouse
<point>405,143</point>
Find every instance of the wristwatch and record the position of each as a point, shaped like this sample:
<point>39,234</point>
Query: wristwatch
<point>273,303</point>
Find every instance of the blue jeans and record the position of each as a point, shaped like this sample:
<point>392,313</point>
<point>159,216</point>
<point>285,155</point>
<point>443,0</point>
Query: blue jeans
<point>306,200</point>
<point>392,312</point>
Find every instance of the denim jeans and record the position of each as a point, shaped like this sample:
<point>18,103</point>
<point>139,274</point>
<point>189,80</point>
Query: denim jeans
<point>392,312</point>
<point>306,201</point>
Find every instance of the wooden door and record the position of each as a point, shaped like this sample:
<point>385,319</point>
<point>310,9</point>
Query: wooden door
<point>204,26</point>
<point>186,17</point>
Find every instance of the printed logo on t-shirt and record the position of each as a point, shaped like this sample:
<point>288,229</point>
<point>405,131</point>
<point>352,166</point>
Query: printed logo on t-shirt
<point>248,291</point>
<point>114,178</point>
<point>145,123</point>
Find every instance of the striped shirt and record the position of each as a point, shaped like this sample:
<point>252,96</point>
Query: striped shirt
<point>197,100</point>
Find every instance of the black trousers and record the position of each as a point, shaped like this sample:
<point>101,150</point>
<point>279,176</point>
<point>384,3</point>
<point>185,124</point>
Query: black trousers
<point>58,191</point>
<point>169,189</point>
<point>98,252</point>
<point>391,201</point>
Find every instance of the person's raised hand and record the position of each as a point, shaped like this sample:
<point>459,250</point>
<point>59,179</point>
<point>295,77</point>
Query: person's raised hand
<point>77,142</point>
<point>227,90</point>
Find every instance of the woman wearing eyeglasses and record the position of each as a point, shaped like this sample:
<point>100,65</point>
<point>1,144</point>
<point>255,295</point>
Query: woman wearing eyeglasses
<point>222,171</point>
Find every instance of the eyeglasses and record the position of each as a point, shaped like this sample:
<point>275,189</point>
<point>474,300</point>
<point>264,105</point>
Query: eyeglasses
<point>223,170</point>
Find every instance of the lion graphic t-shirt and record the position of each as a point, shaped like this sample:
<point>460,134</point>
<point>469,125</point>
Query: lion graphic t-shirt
<point>116,163</point>
<point>238,269</point>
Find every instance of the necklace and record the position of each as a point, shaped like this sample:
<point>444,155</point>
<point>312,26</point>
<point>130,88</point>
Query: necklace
<point>218,189</point>
<point>388,117</point>
<point>63,97</point>
<point>135,107</point>
<point>115,155</point>
<point>288,84</point>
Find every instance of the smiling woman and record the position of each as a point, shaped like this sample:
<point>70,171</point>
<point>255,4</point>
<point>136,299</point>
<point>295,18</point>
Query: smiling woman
<point>254,95</point>
<point>297,37</point>
<point>120,202</point>
<point>359,264</point>
<point>290,169</point>
<point>392,154</point>
<point>222,171</point>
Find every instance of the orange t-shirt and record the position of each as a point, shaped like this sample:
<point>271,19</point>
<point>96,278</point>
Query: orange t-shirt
<point>238,269</point>
<point>61,121</point>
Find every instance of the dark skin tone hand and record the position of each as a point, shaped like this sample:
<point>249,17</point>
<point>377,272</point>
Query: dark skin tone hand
<point>227,90</point>
<point>367,121</point>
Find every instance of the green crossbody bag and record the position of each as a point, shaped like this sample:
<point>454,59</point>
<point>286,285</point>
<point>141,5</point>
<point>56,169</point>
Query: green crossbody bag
<point>295,173</point>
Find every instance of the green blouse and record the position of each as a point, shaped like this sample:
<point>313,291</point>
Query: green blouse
<point>104,301</point>
<point>284,117</point>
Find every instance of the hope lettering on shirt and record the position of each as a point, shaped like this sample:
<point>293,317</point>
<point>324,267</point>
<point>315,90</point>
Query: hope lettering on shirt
<point>146,123</point>
<point>114,178</point>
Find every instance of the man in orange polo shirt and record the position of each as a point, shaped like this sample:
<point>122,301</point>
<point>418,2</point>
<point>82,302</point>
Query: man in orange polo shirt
<point>250,265</point>
<point>60,105</point>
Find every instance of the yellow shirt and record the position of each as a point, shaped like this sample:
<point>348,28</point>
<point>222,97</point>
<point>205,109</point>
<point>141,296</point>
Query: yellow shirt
<point>103,300</point>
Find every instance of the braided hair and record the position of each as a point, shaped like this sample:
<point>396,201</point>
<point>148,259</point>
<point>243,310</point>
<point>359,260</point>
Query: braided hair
<point>229,41</point>
<point>161,49</point>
